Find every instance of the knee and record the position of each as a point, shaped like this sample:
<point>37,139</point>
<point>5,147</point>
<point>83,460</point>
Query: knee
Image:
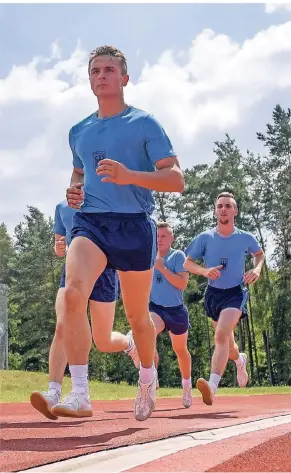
<point>139,324</point>
<point>72,295</point>
<point>101,344</point>
<point>221,336</point>
<point>181,351</point>
<point>60,331</point>
<point>232,346</point>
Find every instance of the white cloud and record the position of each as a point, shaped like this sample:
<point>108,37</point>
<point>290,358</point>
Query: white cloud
<point>274,7</point>
<point>215,86</point>
<point>56,51</point>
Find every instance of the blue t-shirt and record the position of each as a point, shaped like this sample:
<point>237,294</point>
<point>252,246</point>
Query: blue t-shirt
<point>228,251</point>
<point>133,138</point>
<point>163,292</point>
<point>64,220</point>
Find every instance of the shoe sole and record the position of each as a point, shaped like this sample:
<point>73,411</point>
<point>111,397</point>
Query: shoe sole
<point>140,418</point>
<point>39,402</point>
<point>65,412</point>
<point>205,390</point>
<point>187,406</point>
<point>244,385</point>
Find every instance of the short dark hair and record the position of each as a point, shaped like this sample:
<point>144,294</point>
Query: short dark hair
<point>108,51</point>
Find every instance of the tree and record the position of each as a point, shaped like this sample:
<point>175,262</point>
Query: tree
<point>35,274</point>
<point>6,254</point>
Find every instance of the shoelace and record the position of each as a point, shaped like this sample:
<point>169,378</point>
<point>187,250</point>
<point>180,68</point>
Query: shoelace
<point>67,398</point>
<point>186,392</point>
<point>143,394</point>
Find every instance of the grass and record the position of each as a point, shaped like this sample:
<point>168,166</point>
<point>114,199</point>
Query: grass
<point>16,386</point>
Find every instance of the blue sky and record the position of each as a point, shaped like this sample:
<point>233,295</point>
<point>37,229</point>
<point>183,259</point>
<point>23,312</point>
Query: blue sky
<point>28,30</point>
<point>202,70</point>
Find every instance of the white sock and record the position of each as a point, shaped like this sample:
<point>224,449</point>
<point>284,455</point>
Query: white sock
<point>214,381</point>
<point>186,383</point>
<point>239,361</point>
<point>146,375</point>
<point>56,386</point>
<point>79,375</point>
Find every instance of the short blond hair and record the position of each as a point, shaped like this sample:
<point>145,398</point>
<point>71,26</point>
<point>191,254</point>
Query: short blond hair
<point>162,224</point>
<point>227,194</point>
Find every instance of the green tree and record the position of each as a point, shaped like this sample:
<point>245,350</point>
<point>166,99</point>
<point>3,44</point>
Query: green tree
<point>6,254</point>
<point>35,274</point>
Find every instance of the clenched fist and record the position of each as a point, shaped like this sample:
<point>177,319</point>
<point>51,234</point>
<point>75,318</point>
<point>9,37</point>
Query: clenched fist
<point>60,247</point>
<point>75,195</point>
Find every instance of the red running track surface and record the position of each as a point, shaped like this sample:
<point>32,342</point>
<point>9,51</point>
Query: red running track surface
<point>28,439</point>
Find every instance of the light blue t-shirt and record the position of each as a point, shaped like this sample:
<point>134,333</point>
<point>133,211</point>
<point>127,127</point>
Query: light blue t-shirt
<point>228,251</point>
<point>133,138</point>
<point>163,292</point>
<point>64,220</point>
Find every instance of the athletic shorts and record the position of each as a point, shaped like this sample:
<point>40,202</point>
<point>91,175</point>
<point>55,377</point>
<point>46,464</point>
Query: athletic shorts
<point>216,300</point>
<point>106,288</point>
<point>176,319</point>
<point>129,241</point>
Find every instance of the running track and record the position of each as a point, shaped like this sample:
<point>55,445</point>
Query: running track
<point>29,440</point>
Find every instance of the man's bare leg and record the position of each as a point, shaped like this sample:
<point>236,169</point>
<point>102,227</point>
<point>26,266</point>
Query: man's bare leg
<point>44,401</point>
<point>84,264</point>
<point>102,320</point>
<point>136,288</point>
<point>227,322</point>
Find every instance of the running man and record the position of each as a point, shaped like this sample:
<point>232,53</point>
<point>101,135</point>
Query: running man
<point>124,154</point>
<point>167,309</point>
<point>102,303</point>
<point>224,250</point>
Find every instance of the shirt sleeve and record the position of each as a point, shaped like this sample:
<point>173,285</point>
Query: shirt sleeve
<point>179,262</point>
<point>196,249</point>
<point>253,244</point>
<point>157,143</point>
<point>59,227</point>
<point>77,163</point>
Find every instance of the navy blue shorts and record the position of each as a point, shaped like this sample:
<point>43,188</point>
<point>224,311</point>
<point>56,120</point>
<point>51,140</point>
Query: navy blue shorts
<point>129,241</point>
<point>176,319</point>
<point>216,300</point>
<point>106,288</point>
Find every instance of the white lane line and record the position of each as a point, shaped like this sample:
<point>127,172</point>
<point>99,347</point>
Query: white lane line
<point>123,458</point>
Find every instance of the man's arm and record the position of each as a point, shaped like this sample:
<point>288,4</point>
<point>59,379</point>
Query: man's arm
<point>179,280</point>
<point>167,178</point>
<point>194,268</point>
<point>75,193</point>
<point>253,275</point>
<point>60,245</point>
<point>259,259</point>
<point>77,176</point>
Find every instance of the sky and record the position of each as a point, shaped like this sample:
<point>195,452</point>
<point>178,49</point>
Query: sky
<point>202,69</point>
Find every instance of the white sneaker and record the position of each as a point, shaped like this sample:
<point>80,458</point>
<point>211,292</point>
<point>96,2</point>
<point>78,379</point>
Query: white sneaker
<point>44,401</point>
<point>145,400</point>
<point>133,351</point>
<point>74,405</point>
<point>207,394</point>
<point>187,396</point>
<point>241,371</point>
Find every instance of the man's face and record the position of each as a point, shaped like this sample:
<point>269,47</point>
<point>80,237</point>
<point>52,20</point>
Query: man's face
<point>106,76</point>
<point>225,210</point>
<point>165,239</point>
